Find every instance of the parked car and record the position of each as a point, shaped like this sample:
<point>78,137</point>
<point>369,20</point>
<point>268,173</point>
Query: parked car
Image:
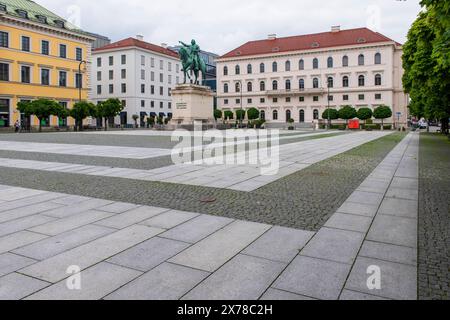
<point>423,125</point>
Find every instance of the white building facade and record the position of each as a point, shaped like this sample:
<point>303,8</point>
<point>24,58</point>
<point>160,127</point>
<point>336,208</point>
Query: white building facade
<point>139,74</point>
<point>287,78</point>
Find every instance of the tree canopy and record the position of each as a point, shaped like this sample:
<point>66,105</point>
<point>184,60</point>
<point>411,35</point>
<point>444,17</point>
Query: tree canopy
<point>108,109</point>
<point>253,114</point>
<point>41,108</point>
<point>334,115</point>
<point>80,111</point>
<point>364,114</point>
<point>382,112</point>
<point>347,113</point>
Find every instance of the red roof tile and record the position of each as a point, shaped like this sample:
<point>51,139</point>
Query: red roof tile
<point>308,42</point>
<point>132,42</point>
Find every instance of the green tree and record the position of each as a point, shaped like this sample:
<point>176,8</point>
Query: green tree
<point>80,111</point>
<point>41,108</point>
<point>228,115</point>
<point>347,113</point>
<point>364,114</point>
<point>253,114</point>
<point>334,115</point>
<point>240,115</point>
<point>135,118</point>
<point>381,113</point>
<point>217,114</point>
<point>109,109</point>
<point>62,113</point>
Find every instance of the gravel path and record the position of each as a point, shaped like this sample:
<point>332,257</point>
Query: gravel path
<point>434,217</point>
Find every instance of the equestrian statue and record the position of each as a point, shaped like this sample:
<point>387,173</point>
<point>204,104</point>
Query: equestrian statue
<point>192,62</point>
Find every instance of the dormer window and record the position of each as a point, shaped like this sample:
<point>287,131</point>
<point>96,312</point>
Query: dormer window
<point>22,13</point>
<point>59,23</point>
<point>2,7</point>
<point>41,19</point>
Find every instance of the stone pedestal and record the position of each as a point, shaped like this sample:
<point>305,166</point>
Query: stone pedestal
<point>192,103</point>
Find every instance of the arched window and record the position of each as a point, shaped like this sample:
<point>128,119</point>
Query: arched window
<point>345,61</point>
<point>262,86</point>
<point>288,115</point>
<point>301,84</point>
<point>361,60</point>
<point>225,88</point>
<point>361,81</point>
<point>316,114</point>
<point>262,115</point>
<point>315,83</point>
<point>316,63</point>
<point>378,58</point>
<point>330,62</point>
<point>238,69</point>
<point>345,82</point>
<point>225,71</point>
<point>302,116</point>
<point>249,87</point>
<point>378,80</point>
<point>274,67</point>
<point>275,115</point>
<point>237,87</point>
<point>301,65</point>
<point>287,66</point>
<point>288,84</point>
<point>262,68</point>
<point>249,69</point>
<point>330,82</point>
<point>275,85</point>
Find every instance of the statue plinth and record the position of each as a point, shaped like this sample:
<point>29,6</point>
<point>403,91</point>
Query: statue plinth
<point>192,103</point>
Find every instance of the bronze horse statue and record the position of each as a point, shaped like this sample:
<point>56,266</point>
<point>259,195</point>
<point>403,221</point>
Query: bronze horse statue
<point>192,62</point>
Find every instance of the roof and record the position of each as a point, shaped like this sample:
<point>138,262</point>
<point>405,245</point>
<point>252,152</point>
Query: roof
<point>37,14</point>
<point>308,42</point>
<point>132,42</point>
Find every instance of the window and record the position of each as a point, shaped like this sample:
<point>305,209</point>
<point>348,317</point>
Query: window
<point>249,101</point>
<point>330,82</point>
<point>302,116</point>
<point>45,77</point>
<point>315,63</point>
<point>301,99</point>
<point>275,115</point>
<point>345,97</point>
<point>361,81</point>
<point>275,85</point>
<point>301,84</point>
<point>178,68</point>
<point>237,69</point>
<point>330,62</point>
<point>45,47</point>
<point>2,7</point>
<point>111,60</point>
<point>22,13</point>
<point>78,80</point>
<point>288,84</point>
<point>152,62</point>
<point>161,105</point>
<point>99,62</point>
<point>63,79</point>
<point>111,89</point>
<point>123,73</point>
<point>152,104</point>
<point>288,115</point>
<point>378,58</point>
<point>249,87</point>
<point>152,89</point>
<point>161,91</point>
<point>225,71</point>
<point>301,65</point>
<point>169,66</point>
<point>124,87</point>
<point>225,101</point>
<point>142,88</point>
<point>111,74</point>
<point>345,61</point>
<point>377,96</point>
<point>249,69</point>
<point>262,86</point>
<point>4,39</point>
<point>262,100</point>
<point>238,101</point>
<point>99,89</point>
<point>316,98</point>
<point>161,77</point>
<point>262,115</point>
<point>161,64</point>
<point>237,87</point>
<point>4,112</point>
<point>316,114</point>
<point>25,74</point>
<point>4,72</point>
<point>25,43</point>
<point>79,54</point>
<point>262,68</point>
<point>361,97</point>
<point>287,66</point>
<point>288,99</point>
<point>152,76</point>
<point>123,59</point>
<point>330,98</point>
<point>315,83</point>
<point>361,60</point>
<point>169,79</point>
<point>378,80</point>
<point>345,81</point>
<point>142,74</point>
<point>225,88</point>
<point>63,52</point>
<point>274,67</point>
<point>142,103</point>
<point>143,61</point>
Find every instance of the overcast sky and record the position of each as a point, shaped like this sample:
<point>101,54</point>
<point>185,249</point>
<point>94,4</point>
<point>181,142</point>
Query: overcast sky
<point>220,26</point>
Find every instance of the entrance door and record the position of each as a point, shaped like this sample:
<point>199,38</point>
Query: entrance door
<point>302,116</point>
<point>123,118</point>
<point>4,113</point>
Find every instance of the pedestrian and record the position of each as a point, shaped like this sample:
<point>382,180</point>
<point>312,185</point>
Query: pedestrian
<point>17,126</point>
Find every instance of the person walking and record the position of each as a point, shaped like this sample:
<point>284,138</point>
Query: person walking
<point>17,126</point>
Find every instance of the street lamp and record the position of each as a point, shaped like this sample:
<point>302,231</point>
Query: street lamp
<point>80,85</point>
<point>240,90</point>
<point>328,98</point>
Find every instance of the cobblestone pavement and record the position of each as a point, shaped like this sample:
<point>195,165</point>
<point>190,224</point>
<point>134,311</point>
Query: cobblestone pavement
<point>434,218</point>
<point>287,202</point>
<point>129,251</point>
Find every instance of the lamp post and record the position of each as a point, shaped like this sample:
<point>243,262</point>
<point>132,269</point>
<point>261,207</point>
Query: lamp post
<point>81,79</point>
<point>240,90</point>
<point>328,98</point>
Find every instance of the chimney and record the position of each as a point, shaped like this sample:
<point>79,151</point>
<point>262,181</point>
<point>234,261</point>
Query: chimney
<point>272,36</point>
<point>164,45</point>
<point>140,37</point>
<point>335,29</point>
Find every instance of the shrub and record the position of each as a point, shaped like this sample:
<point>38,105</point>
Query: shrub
<point>228,115</point>
<point>334,114</point>
<point>240,115</point>
<point>253,114</point>
<point>382,112</point>
<point>218,114</point>
<point>347,113</point>
<point>364,114</point>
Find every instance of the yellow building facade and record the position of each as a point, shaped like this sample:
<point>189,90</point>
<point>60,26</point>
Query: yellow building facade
<point>41,56</point>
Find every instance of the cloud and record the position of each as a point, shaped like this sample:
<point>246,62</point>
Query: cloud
<point>220,26</point>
